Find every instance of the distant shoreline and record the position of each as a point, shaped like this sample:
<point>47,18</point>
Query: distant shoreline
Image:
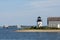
<point>37,31</point>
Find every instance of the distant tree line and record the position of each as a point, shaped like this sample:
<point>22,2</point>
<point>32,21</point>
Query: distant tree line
<point>44,27</point>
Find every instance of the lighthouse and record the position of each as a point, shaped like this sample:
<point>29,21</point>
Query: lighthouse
<point>39,22</point>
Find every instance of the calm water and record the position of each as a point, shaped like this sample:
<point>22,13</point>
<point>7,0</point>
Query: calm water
<point>7,34</point>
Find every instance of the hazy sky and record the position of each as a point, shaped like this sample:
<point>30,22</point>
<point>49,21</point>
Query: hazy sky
<point>25,12</point>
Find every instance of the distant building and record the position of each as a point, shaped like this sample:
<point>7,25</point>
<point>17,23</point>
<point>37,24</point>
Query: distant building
<point>5,26</point>
<point>39,22</point>
<point>18,26</point>
<point>53,22</point>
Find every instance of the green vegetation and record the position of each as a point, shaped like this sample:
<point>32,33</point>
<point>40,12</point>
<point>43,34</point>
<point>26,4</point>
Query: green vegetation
<point>43,28</point>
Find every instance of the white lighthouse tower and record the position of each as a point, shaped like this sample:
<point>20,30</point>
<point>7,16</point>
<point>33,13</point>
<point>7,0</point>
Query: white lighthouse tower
<point>39,22</point>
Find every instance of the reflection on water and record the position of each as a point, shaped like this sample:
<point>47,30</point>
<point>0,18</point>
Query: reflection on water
<point>8,34</point>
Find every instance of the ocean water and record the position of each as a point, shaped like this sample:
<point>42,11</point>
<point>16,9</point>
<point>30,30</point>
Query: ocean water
<point>7,34</point>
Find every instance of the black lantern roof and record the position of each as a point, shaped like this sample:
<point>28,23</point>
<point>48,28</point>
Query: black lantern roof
<point>39,19</point>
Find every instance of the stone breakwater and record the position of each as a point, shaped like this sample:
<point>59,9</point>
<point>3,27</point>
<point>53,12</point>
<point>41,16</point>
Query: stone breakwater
<point>37,31</point>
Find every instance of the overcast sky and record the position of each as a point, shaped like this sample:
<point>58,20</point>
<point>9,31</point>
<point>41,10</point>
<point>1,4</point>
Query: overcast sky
<point>25,12</point>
